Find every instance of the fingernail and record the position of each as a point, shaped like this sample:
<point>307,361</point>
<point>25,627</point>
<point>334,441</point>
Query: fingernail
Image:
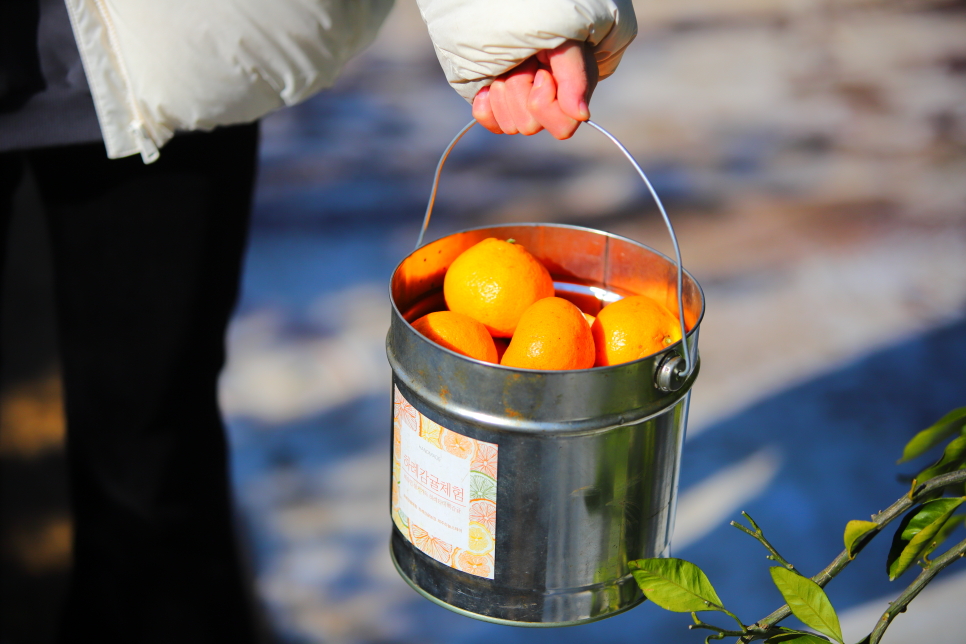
<point>539,79</point>
<point>583,110</point>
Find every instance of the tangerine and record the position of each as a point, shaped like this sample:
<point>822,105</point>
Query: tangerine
<point>459,333</point>
<point>552,334</point>
<point>494,282</point>
<point>632,328</point>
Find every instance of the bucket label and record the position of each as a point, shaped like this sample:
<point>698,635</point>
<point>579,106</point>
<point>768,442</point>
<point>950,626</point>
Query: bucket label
<point>443,491</point>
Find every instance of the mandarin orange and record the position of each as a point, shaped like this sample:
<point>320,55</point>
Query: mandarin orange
<point>552,334</point>
<point>459,333</point>
<point>494,282</point>
<point>633,328</point>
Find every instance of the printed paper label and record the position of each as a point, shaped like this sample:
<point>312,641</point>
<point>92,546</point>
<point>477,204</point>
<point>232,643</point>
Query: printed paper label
<point>444,491</point>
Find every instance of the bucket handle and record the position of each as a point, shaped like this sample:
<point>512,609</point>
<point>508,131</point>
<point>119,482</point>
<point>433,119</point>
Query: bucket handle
<point>671,374</point>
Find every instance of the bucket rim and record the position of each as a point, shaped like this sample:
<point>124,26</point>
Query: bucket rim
<point>667,350</point>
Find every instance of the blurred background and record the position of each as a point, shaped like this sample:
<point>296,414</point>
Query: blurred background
<point>812,155</point>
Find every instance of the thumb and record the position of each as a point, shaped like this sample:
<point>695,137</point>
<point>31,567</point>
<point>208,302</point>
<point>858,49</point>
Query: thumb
<point>575,72</point>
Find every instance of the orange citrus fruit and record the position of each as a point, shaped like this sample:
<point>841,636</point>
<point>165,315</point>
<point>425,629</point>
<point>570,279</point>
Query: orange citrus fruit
<point>590,318</point>
<point>552,334</point>
<point>432,546</point>
<point>485,460</point>
<point>483,511</point>
<point>459,333</point>
<point>494,282</point>
<point>480,565</point>
<point>632,328</point>
<point>430,430</point>
<point>481,541</point>
<point>405,413</point>
<point>457,444</point>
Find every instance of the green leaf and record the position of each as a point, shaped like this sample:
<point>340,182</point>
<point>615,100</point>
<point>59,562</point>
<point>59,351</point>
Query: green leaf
<point>953,457</point>
<point>854,531</point>
<point>916,532</point>
<point>948,528</point>
<point>798,637</point>
<point>934,434</point>
<point>675,584</point>
<point>807,601</point>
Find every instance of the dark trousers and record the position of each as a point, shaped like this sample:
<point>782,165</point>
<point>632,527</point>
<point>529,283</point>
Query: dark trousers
<point>146,264</point>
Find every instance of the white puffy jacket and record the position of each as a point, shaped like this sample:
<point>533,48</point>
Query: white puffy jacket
<point>159,67</point>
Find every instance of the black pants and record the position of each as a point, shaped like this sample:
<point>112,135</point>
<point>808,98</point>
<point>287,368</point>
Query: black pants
<point>147,262</point>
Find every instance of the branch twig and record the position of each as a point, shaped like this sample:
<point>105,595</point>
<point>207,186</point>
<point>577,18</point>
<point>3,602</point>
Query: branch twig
<point>711,627</point>
<point>760,536</point>
<point>913,589</point>
<point>897,509</point>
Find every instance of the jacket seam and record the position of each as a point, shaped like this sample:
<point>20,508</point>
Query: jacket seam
<point>140,128</point>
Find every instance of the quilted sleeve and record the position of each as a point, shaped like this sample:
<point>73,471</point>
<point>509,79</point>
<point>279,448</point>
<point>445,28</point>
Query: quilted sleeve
<point>155,68</point>
<point>477,40</point>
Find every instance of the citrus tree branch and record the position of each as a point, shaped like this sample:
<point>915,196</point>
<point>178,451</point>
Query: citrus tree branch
<point>760,536</point>
<point>913,589</point>
<point>761,628</point>
<point>723,632</point>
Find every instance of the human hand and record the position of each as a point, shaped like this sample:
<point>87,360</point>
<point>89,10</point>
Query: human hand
<point>549,90</point>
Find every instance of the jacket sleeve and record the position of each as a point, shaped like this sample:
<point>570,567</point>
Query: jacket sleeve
<point>477,40</point>
<point>155,68</point>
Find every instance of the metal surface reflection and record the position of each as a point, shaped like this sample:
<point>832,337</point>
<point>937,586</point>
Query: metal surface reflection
<point>589,459</point>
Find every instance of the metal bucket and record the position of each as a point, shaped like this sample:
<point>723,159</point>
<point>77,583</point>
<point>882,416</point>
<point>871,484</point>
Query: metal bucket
<point>519,496</point>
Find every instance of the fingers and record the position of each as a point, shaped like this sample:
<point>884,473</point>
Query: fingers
<point>575,72</point>
<point>545,107</point>
<point>483,113</point>
<point>499,106</point>
<point>502,107</point>
<point>517,88</point>
<point>548,90</point>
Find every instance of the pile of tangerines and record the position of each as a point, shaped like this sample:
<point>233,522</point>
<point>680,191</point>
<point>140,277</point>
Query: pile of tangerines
<point>503,309</point>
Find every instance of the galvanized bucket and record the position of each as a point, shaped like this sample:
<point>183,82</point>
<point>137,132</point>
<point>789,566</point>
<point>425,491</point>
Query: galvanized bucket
<point>519,496</point>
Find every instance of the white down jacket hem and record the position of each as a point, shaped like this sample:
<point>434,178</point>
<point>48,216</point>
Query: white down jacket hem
<point>155,68</point>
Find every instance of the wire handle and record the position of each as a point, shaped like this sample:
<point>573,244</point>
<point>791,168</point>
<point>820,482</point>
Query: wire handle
<point>670,375</point>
